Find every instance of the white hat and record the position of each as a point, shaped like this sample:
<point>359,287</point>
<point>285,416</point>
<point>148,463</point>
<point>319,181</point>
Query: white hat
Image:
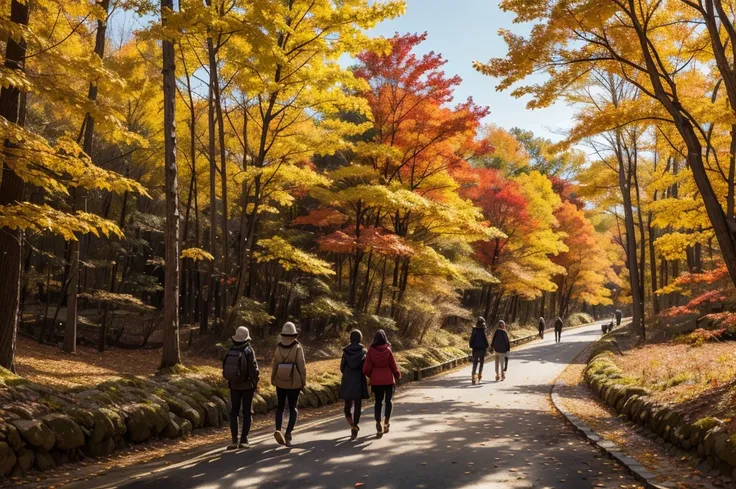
<point>241,335</point>
<point>289,330</point>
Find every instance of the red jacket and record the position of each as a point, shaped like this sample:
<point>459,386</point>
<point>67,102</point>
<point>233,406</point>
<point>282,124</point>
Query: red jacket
<point>380,366</point>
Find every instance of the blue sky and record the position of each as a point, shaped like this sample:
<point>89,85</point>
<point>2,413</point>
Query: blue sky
<point>467,30</point>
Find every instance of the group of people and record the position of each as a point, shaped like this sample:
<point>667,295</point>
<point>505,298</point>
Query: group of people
<point>289,375</point>
<point>359,366</point>
<point>500,345</point>
<point>559,324</point>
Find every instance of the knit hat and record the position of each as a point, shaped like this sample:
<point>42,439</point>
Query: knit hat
<point>289,329</point>
<point>241,335</point>
<point>502,324</point>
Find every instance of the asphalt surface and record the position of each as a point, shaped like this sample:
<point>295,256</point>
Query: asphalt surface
<point>445,433</point>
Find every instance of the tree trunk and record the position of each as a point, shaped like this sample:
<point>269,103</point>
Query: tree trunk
<point>11,192</point>
<point>70,331</point>
<point>170,355</point>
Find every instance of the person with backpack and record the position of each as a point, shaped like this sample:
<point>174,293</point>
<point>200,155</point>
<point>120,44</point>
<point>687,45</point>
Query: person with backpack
<point>619,316</point>
<point>558,329</point>
<point>478,344</point>
<point>289,376</point>
<point>354,387</point>
<point>240,369</point>
<point>542,326</point>
<point>380,367</point>
<point>501,345</point>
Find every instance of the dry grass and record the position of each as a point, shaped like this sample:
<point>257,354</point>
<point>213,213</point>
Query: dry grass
<point>677,372</point>
<point>579,400</point>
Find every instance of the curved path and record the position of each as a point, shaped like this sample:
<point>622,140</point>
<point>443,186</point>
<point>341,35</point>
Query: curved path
<point>445,433</point>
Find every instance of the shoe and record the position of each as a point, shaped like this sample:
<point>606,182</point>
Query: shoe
<point>386,425</point>
<point>232,446</point>
<point>244,445</point>
<point>379,429</point>
<point>474,379</point>
<point>480,377</point>
<point>287,440</point>
<point>497,377</point>
<point>503,377</point>
<point>279,438</point>
<point>354,432</point>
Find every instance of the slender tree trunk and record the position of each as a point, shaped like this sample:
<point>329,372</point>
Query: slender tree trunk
<point>170,355</point>
<point>11,192</point>
<point>70,332</point>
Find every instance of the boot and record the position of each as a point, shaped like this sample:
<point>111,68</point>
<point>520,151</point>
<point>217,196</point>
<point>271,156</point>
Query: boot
<point>386,425</point>
<point>287,440</point>
<point>354,432</point>
<point>379,429</point>
<point>480,377</point>
<point>279,437</point>
<point>475,379</point>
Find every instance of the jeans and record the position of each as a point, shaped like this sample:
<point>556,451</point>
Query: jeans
<point>558,335</point>
<point>352,408</point>
<point>240,399</point>
<point>381,392</point>
<point>479,358</point>
<point>292,395</point>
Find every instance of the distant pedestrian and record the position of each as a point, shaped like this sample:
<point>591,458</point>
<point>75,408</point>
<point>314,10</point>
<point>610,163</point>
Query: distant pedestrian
<point>354,387</point>
<point>380,367</point>
<point>289,376</point>
<point>619,316</point>
<point>558,329</point>
<point>501,346</point>
<point>479,345</point>
<point>542,326</point>
<point>240,369</point>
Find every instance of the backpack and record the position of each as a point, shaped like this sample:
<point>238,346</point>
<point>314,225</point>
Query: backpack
<point>285,369</point>
<point>232,366</point>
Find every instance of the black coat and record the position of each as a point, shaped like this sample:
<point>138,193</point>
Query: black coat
<point>500,341</point>
<point>558,324</point>
<point>479,339</point>
<point>249,365</point>
<point>354,385</point>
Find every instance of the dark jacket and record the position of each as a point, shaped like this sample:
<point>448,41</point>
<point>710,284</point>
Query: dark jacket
<point>542,324</point>
<point>558,324</point>
<point>354,386</point>
<point>249,365</point>
<point>479,338</point>
<point>500,342</point>
<point>380,366</point>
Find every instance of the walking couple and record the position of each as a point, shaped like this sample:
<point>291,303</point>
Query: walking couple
<point>379,365</point>
<point>500,345</point>
<point>288,375</point>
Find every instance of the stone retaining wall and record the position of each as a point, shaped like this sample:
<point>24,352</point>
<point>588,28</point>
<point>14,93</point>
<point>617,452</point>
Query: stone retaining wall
<point>42,428</point>
<point>706,436</point>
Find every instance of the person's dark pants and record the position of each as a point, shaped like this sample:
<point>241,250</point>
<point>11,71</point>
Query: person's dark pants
<point>240,399</point>
<point>618,321</point>
<point>558,335</point>
<point>383,392</point>
<point>283,395</point>
<point>352,410</point>
<point>479,358</point>
<point>541,333</point>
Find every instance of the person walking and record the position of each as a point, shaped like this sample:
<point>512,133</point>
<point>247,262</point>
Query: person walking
<point>619,316</point>
<point>289,376</point>
<point>240,369</point>
<point>380,367</point>
<point>354,387</point>
<point>501,347</point>
<point>479,345</point>
<point>558,329</point>
<point>542,326</point>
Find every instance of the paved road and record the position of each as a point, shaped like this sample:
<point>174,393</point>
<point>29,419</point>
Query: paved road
<point>445,433</point>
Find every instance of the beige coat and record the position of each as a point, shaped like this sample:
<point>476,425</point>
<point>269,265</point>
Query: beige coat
<point>289,351</point>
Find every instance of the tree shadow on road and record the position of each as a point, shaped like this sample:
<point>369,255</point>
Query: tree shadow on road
<point>443,444</point>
